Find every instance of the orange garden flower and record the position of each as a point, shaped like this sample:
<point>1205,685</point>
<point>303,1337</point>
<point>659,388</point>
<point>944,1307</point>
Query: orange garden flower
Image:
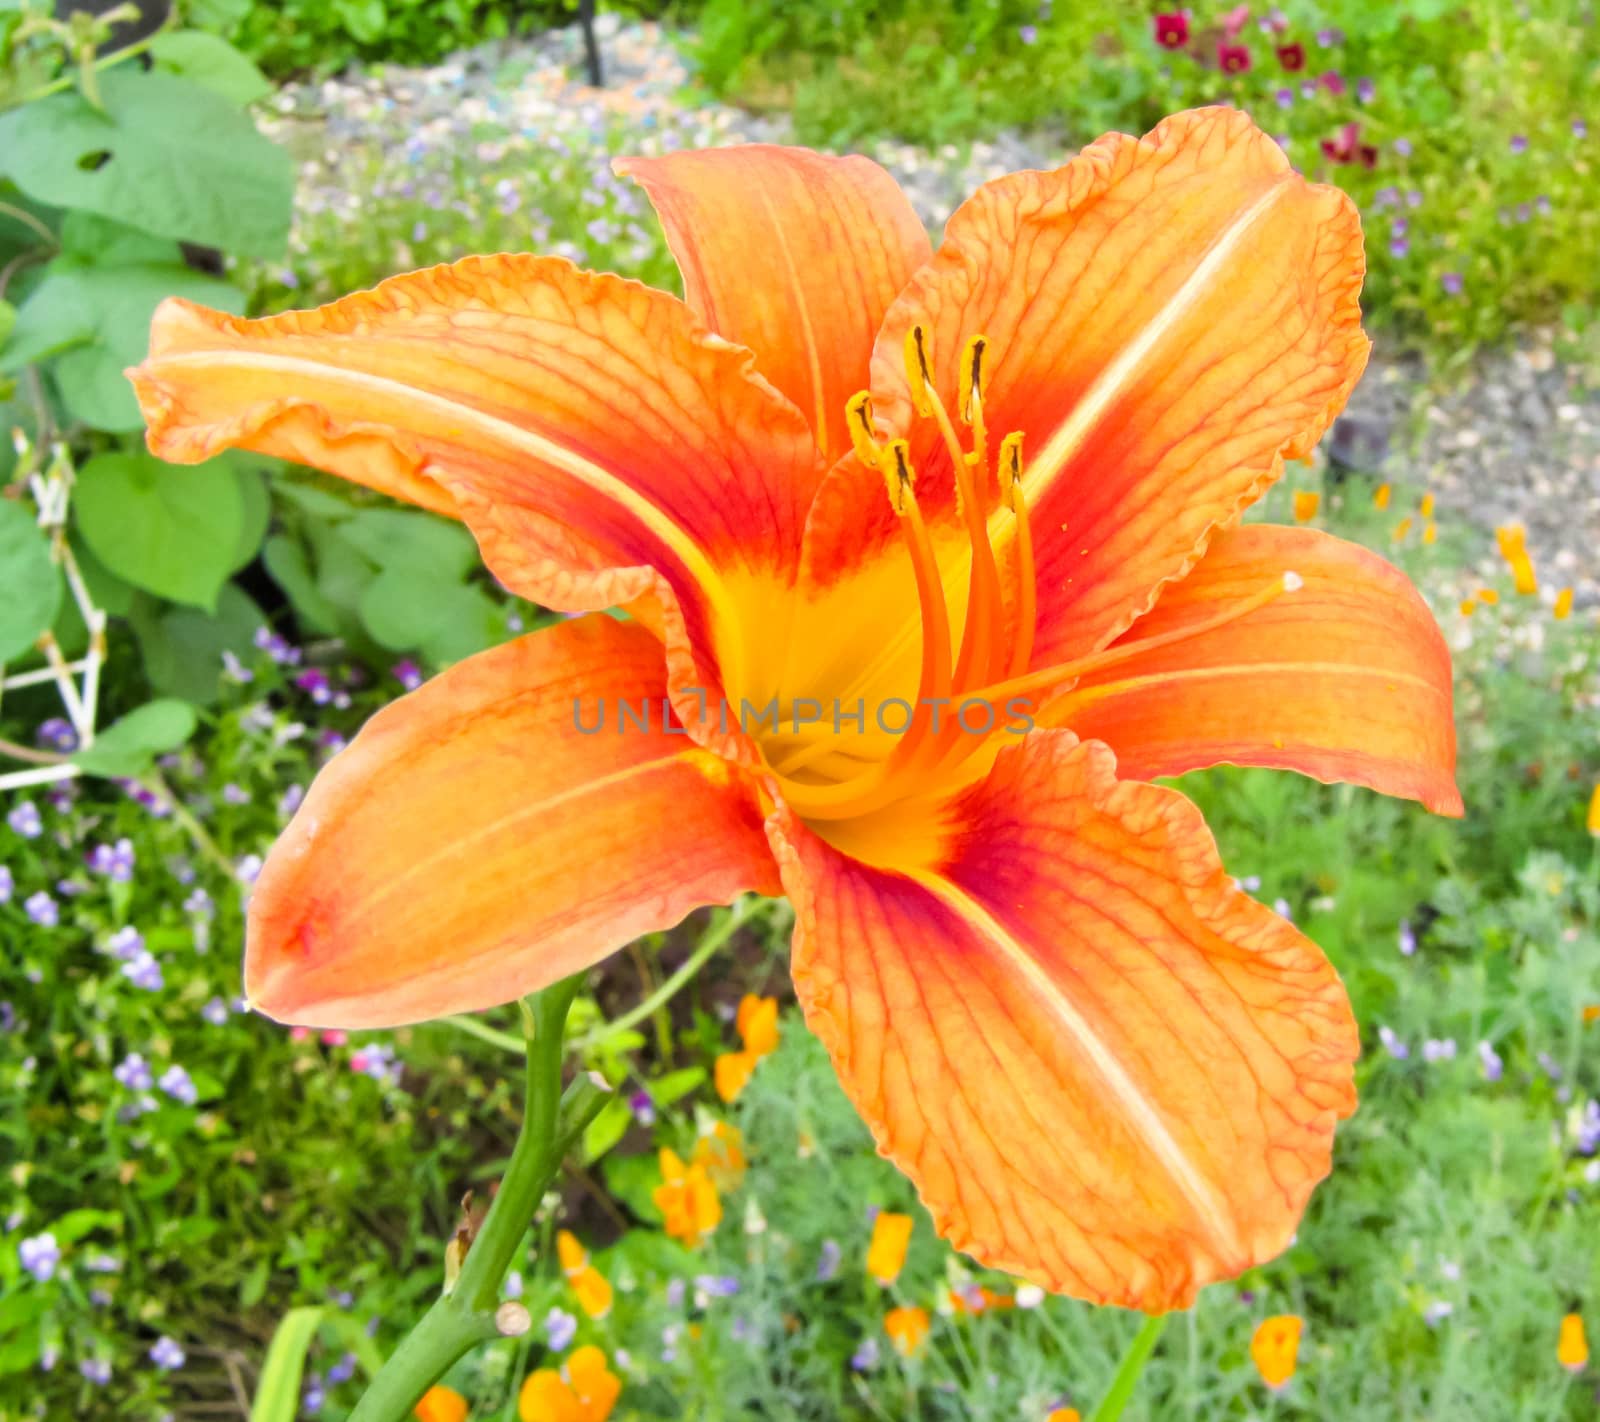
<point>441,1404</point>
<point>1380,497</point>
<point>976,1298</point>
<point>1592,819</point>
<point>937,561</point>
<point>1063,1414</point>
<point>907,1329</point>
<point>1563,608</point>
<point>1275,1347</point>
<point>687,1198</point>
<point>1572,1346</point>
<point>886,1255</point>
<point>585,1390</point>
<point>591,1288</point>
<point>1306,503</point>
<point>720,1151</point>
<point>1511,539</point>
<point>757,1025</point>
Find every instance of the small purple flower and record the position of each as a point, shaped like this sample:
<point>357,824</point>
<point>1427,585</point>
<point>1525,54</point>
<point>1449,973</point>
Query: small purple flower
<point>8,1016</point>
<point>291,800</point>
<point>313,1397</point>
<point>233,794</point>
<point>1399,249</point>
<point>1519,143</point>
<point>95,1370</point>
<point>1524,212</point>
<point>8,885</point>
<point>1589,1128</point>
<point>248,869</point>
<point>1029,34</point>
<point>717,1286</point>
<point>49,1356</point>
<point>560,1328</point>
<point>1542,205</point>
<point>144,972</point>
<point>512,1288</point>
<point>1366,91</point>
<point>419,231</point>
<point>1551,1068</point>
<point>1408,939</point>
<point>56,734</point>
<point>126,943</point>
<point>1285,98</point>
<point>1437,1312</point>
<point>1392,1044</point>
<point>643,1108</point>
<point>1452,283</point>
<point>39,1256</point>
<point>314,682</point>
<point>199,905</point>
<point>1329,38</point>
<point>235,670</point>
<point>133,1072</point>
<point>1439,1049</point>
<point>176,1082</point>
<point>407,673</point>
<point>166,1354</point>
<point>276,647</point>
<point>24,820</point>
<point>343,1370</point>
<point>828,1260</point>
<point>1493,1066</point>
<point>41,908</point>
<point>676,1289</point>
<point>866,1356</point>
<point>1402,146</point>
<point>1282,909</point>
<point>215,1011</point>
<point>1413,199</point>
<point>1579,128</point>
<point>115,861</point>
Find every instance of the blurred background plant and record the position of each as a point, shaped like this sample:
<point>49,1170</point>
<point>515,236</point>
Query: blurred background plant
<point>177,1175</point>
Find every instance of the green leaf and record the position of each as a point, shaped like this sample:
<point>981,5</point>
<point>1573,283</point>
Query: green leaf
<point>96,321</point>
<point>213,63</point>
<point>664,1090</point>
<point>165,156</point>
<point>127,747</point>
<point>30,577</point>
<point>8,321</point>
<point>287,565</point>
<point>182,647</point>
<point>170,529</point>
<point>255,505</point>
<point>606,1129</point>
<point>412,542</point>
<point>277,1396</point>
<point>364,20</point>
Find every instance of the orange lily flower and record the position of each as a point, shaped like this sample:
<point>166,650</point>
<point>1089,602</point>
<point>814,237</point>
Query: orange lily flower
<point>1275,1347</point>
<point>1104,1067</point>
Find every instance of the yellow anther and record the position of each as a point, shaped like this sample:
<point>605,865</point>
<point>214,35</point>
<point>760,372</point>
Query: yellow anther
<point>898,475</point>
<point>974,379</point>
<point>863,433</point>
<point>1011,466</point>
<point>919,369</point>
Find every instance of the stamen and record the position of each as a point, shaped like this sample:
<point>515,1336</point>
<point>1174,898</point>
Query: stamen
<point>919,369</point>
<point>863,432</point>
<point>1027,609</point>
<point>974,381</point>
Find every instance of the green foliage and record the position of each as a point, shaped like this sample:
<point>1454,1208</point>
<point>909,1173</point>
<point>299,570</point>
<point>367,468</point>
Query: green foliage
<point>128,747</point>
<point>31,580</point>
<point>1437,163</point>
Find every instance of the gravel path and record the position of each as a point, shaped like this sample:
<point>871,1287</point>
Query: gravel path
<point>1517,438</point>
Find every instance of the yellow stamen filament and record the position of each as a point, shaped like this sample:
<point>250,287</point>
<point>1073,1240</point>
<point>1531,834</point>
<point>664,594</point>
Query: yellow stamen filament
<point>991,667</point>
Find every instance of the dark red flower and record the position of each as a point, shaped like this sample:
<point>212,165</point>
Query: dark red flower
<point>1172,30</point>
<point>1369,155</point>
<point>1343,149</point>
<point>1292,57</point>
<point>1234,58</point>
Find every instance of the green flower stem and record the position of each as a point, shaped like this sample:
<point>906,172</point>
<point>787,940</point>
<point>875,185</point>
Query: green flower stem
<point>1128,1372</point>
<point>464,1316</point>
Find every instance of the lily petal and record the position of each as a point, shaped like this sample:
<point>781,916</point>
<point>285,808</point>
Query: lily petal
<point>473,843</point>
<point>794,254</point>
<point>600,443</point>
<point>1346,678</point>
<point>1168,320</point>
<point>1103,1066</point>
